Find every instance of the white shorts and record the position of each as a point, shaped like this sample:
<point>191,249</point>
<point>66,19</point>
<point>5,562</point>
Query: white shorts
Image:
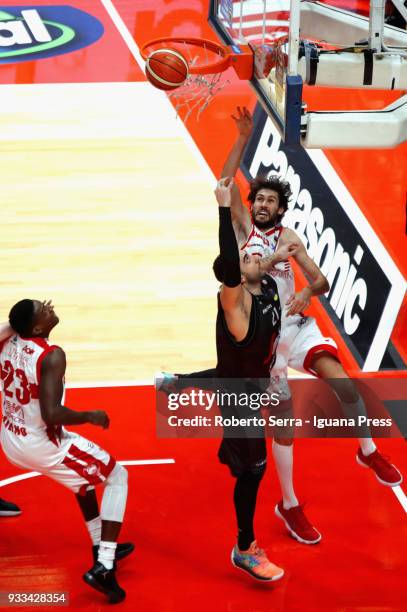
<point>83,466</point>
<point>300,339</point>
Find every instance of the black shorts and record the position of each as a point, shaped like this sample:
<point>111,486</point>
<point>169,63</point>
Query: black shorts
<point>243,449</point>
<point>243,455</point>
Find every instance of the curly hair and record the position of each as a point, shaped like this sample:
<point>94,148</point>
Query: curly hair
<point>275,183</point>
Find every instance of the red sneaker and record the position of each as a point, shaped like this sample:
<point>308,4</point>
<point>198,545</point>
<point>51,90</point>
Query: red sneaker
<point>297,524</point>
<point>385,472</point>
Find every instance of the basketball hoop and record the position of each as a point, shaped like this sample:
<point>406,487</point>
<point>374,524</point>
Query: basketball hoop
<point>207,62</point>
<point>205,56</point>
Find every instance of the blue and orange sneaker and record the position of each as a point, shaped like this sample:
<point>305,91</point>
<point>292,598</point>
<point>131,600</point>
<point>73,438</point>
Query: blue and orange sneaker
<point>164,381</point>
<point>254,561</point>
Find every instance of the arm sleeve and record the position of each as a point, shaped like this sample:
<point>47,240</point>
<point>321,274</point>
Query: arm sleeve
<point>229,250</point>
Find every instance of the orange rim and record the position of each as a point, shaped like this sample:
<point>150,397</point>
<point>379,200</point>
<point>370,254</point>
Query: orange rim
<point>211,67</point>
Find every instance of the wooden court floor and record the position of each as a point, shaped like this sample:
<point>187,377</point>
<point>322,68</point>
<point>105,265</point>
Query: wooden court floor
<point>108,211</point>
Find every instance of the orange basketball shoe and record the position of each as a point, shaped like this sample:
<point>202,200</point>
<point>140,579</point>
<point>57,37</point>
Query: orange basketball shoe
<point>254,561</point>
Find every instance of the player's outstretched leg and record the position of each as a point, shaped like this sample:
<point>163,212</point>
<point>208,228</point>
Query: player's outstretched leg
<point>353,406</point>
<point>170,383</point>
<point>102,576</point>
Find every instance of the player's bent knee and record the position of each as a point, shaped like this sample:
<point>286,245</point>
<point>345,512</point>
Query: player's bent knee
<point>118,476</point>
<point>115,495</point>
<point>345,389</point>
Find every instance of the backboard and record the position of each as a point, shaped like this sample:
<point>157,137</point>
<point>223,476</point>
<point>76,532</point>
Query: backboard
<point>338,48</point>
<point>266,24</point>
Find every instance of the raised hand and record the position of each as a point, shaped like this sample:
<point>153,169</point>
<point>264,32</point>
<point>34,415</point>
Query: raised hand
<point>223,191</point>
<point>286,250</point>
<point>244,121</point>
<point>299,301</point>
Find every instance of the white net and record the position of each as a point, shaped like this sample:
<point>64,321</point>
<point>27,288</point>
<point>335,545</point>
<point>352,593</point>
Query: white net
<point>196,93</point>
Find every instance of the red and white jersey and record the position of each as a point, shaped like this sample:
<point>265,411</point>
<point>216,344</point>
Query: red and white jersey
<point>264,244</point>
<point>300,336</point>
<point>23,429</point>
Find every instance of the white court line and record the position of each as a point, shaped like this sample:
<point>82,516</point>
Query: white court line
<point>134,50</point>
<point>27,475</point>
<point>401,496</point>
<point>7,481</point>
<point>148,382</point>
<point>124,32</point>
<point>147,462</point>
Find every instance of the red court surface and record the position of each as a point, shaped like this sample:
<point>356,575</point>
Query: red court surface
<point>180,517</point>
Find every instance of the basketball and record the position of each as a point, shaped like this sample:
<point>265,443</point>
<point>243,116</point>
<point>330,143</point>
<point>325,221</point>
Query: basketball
<point>166,69</point>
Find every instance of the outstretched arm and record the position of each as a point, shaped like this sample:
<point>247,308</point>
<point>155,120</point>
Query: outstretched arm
<point>240,214</point>
<point>51,391</point>
<point>236,302</point>
<point>318,284</point>
<point>283,252</point>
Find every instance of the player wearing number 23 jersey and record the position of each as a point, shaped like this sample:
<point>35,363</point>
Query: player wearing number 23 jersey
<point>33,435</point>
<point>27,440</point>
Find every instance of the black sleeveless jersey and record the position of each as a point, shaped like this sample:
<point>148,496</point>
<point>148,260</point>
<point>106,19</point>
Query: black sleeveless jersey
<point>254,356</point>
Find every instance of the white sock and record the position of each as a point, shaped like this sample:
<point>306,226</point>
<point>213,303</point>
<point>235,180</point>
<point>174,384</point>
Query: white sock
<point>353,411</point>
<point>283,459</point>
<point>107,552</point>
<point>95,529</point>
<point>367,445</point>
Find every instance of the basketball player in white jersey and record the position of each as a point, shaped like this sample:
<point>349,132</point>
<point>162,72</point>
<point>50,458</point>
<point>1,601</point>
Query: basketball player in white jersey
<point>302,346</point>
<point>33,437</point>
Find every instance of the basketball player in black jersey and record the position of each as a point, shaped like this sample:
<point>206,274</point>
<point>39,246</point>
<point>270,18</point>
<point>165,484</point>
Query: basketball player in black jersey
<point>247,329</point>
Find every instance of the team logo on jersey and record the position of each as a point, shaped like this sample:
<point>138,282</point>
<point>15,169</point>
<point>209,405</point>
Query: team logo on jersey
<point>92,470</point>
<point>14,411</point>
<point>302,322</point>
<point>28,350</point>
<point>29,33</point>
